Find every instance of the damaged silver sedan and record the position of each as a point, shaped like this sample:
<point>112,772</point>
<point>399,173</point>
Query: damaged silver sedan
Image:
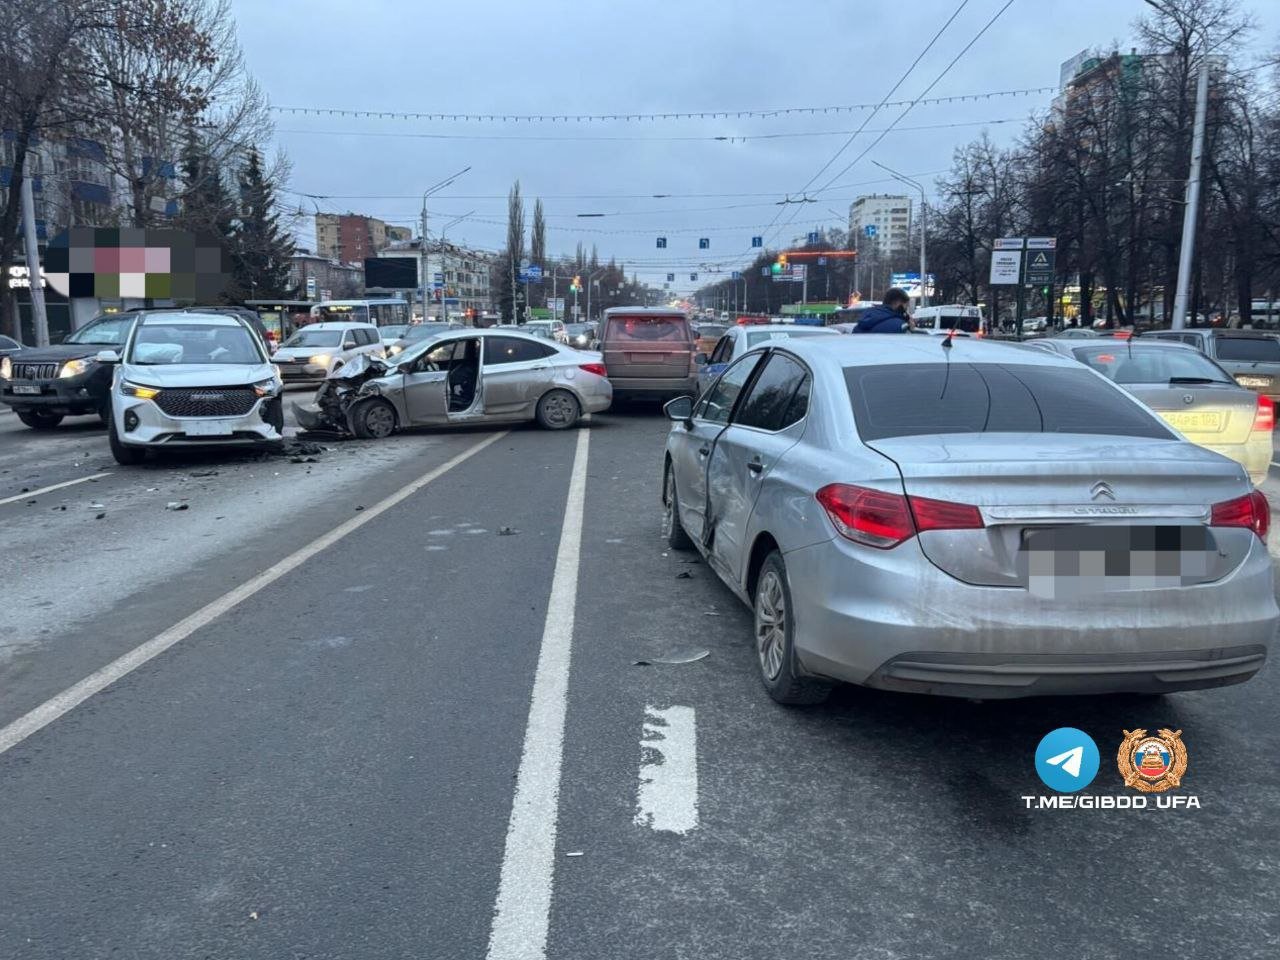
<point>464,376</point>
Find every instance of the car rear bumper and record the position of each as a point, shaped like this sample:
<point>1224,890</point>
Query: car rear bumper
<point>902,624</point>
<point>654,386</point>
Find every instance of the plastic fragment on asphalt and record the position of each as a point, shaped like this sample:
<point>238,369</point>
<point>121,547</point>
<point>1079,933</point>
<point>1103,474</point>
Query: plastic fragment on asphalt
<point>175,505</point>
<point>204,473</point>
<point>507,531</point>
<point>99,516</point>
<point>253,914</point>
<point>684,575</point>
<point>574,853</point>
<point>96,506</point>
<point>359,507</point>
<point>692,656</point>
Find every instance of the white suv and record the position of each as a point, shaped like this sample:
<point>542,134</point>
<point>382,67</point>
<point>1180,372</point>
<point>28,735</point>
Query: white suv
<point>192,379</point>
<point>316,350</point>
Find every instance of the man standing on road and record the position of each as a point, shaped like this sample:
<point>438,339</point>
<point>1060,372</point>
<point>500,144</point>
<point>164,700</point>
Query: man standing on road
<point>890,316</point>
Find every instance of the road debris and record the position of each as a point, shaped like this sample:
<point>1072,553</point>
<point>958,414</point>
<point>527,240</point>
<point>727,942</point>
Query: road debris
<point>175,505</point>
<point>574,853</point>
<point>507,531</point>
<point>204,473</point>
<point>675,659</point>
<point>99,516</point>
<point>684,575</point>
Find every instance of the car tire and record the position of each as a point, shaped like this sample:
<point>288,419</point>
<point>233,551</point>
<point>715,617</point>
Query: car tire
<point>38,419</point>
<point>104,412</point>
<point>558,410</point>
<point>373,420</point>
<point>124,454</point>
<point>672,529</point>
<point>773,638</point>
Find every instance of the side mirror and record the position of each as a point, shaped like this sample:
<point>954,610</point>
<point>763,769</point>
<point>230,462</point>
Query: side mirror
<point>679,409</point>
<point>107,356</point>
<point>701,359</point>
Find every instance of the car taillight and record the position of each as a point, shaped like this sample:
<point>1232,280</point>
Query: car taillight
<point>1264,418</point>
<point>597,368</point>
<point>1251,511</point>
<point>884,520</point>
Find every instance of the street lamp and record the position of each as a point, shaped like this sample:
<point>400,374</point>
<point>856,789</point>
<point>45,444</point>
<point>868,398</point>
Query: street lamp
<point>924,265</point>
<point>590,284</point>
<point>444,291</point>
<point>422,251</point>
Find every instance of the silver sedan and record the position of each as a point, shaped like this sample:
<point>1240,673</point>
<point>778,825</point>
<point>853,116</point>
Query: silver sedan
<point>461,377</point>
<point>970,519</point>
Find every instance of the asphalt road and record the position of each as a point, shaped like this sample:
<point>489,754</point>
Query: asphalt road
<point>418,730</point>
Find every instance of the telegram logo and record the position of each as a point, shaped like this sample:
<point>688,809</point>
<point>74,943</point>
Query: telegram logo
<point>1067,760</point>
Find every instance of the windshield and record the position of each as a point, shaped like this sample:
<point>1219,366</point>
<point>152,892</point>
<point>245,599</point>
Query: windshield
<point>393,331</point>
<point>159,343</point>
<point>1150,364</point>
<point>760,336</point>
<point>990,398</point>
<point>309,337</point>
<point>423,331</point>
<point>110,331</point>
<point>1257,349</point>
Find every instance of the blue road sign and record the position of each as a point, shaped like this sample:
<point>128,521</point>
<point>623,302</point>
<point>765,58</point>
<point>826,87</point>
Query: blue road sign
<point>704,243</point>
<point>869,229</point>
<point>671,278</point>
<point>757,241</point>
<point>764,271</point>
<point>534,272</point>
<point>693,276</point>
<point>813,236</point>
<point>822,261</point>
<point>662,243</point>
<point>736,275</point>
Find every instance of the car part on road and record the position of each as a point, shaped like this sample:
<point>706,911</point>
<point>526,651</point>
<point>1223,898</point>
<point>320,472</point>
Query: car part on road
<point>675,659</point>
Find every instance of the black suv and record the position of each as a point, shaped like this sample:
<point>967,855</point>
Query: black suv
<point>45,384</point>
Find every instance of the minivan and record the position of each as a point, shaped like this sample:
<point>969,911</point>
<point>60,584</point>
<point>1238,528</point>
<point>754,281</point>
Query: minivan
<point>1252,357</point>
<point>649,352</point>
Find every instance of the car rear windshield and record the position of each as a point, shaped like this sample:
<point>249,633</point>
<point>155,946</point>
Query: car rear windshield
<point>1265,349</point>
<point>656,328</point>
<point>1138,364</point>
<point>907,400</point>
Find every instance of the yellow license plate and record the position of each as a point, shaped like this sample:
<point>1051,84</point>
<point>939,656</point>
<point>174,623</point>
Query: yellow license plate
<point>1197,421</point>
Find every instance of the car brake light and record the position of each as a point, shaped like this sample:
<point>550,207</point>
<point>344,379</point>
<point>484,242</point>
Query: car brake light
<point>1251,511</point>
<point>884,520</point>
<point>1264,417</point>
<point>597,368</point>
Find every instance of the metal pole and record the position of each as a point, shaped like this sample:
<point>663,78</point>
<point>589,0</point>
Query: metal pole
<point>924,261</point>
<point>39,319</point>
<point>422,250</point>
<point>1191,211</point>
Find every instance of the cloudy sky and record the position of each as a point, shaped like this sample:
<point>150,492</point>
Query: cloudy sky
<point>722,177</point>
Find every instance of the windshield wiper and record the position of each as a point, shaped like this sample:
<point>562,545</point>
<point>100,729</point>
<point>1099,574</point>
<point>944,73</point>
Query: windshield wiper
<point>1195,380</point>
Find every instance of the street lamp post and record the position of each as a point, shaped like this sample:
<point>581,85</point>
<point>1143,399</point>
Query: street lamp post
<point>924,264</point>
<point>589,285</point>
<point>444,291</point>
<point>422,250</point>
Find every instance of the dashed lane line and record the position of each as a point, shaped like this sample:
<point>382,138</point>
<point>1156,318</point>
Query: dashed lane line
<point>55,486</point>
<point>667,799</point>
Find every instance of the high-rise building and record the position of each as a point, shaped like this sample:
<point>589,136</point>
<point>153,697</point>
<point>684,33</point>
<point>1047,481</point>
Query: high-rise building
<point>881,224</point>
<point>349,237</point>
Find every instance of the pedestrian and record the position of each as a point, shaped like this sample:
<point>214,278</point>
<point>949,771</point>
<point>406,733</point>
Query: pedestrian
<point>889,316</point>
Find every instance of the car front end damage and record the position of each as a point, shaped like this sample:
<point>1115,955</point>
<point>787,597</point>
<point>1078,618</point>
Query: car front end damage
<point>329,411</point>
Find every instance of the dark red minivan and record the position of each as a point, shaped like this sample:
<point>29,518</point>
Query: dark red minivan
<point>649,352</point>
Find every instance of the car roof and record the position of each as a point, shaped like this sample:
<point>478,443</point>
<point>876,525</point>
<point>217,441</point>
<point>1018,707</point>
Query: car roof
<point>1115,343</point>
<point>646,311</point>
<point>338,325</point>
<point>878,349</point>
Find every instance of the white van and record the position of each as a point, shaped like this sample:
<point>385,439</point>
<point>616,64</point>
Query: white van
<point>952,316</point>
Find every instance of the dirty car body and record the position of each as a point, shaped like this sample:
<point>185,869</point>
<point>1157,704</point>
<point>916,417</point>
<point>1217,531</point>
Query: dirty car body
<point>465,376</point>
<point>944,547</point>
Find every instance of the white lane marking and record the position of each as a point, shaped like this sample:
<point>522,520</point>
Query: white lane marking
<point>1275,464</point>
<point>73,696</point>
<point>668,796</point>
<point>55,486</point>
<point>522,911</point>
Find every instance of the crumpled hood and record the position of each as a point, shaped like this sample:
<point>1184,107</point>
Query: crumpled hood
<point>197,374</point>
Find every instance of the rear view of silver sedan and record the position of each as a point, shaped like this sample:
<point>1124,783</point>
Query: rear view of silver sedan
<point>971,519</point>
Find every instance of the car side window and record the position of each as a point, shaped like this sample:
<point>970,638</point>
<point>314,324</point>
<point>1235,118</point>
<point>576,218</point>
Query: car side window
<point>717,404</point>
<point>499,350</point>
<point>771,403</point>
<point>721,353</point>
<point>436,360</point>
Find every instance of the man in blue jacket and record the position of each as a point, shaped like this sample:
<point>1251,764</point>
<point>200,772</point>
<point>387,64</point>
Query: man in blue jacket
<point>889,316</point>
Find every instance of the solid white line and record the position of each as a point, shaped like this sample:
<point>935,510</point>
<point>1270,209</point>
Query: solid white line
<point>56,486</point>
<point>668,796</point>
<point>73,696</point>
<point>523,908</point>
<point>1275,464</point>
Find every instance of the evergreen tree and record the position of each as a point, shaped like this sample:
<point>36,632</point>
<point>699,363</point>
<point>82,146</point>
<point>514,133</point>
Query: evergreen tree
<point>261,249</point>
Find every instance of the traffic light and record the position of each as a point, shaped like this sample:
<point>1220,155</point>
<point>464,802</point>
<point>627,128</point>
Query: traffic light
<point>576,285</point>
<point>779,265</point>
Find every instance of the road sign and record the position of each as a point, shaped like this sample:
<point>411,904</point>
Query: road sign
<point>671,278</point>
<point>311,288</point>
<point>798,271</point>
<point>534,272</point>
<point>736,275</point>
<point>704,243</point>
<point>693,276</point>
<point>765,271</point>
<point>438,278</point>
<point>662,243</point>
<point>822,261</point>
<point>870,230</point>
<point>1008,243</point>
<point>813,236</point>
<point>757,241</point>
<point>1042,243</point>
<point>524,263</point>
<point>1040,266</point>
<point>1006,265</point>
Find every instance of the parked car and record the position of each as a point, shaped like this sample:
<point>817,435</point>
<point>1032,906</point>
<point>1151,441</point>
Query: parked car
<point>318,349</point>
<point>649,352</point>
<point>738,340</point>
<point>580,336</point>
<point>462,377</point>
<point>1035,324</point>
<point>1192,393</point>
<point>1076,333</point>
<point>552,329</point>
<point>45,384</point>
<point>707,335</point>
<point>1252,357</point>
<point>417,332</point>
<point>946,544</point>
<point>186,379</point>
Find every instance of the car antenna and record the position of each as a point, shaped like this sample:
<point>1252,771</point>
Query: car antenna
<point>946,341</point>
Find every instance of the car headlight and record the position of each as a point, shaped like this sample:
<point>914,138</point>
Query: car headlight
<point>139,390</point>
<point>394,349</point>
<point>267,388</point>
<point>73,368</point>
<point>6,368</point>
<point>320,359</point>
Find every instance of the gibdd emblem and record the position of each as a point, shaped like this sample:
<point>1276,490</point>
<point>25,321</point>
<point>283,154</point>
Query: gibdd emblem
<point>1152,764</point>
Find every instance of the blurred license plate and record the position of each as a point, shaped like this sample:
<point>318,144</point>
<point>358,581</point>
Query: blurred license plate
<point>1247,381</point>
<point>1197,421</point>
<point>208,428</point>
<point>648,358</point>
<point>26,389</point>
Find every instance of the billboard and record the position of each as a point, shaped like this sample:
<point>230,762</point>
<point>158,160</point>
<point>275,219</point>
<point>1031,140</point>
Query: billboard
<point>391,273</point>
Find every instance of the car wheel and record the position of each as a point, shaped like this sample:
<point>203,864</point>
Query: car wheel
<point>775,638</point>
<point>672,529</point>
<point>104,412</point>
<point>374,420</point>
<point>558,410</point>
<point>124,454</point>
<point>39,420</point>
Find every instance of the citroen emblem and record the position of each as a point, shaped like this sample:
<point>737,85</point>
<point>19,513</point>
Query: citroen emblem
<point>1188,398</point>
<point>1102,490</point>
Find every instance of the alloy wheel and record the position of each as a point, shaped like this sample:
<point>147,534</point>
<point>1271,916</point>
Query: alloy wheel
<point>771,624</point>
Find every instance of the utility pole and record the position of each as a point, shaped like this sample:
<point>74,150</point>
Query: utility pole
<point>423,262</point>
<point>35,280</point>
<point>1191,209</point>
<point>924,263</point>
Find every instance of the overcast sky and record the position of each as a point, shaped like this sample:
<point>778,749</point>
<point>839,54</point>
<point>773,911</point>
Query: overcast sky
<point>554,57</point>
